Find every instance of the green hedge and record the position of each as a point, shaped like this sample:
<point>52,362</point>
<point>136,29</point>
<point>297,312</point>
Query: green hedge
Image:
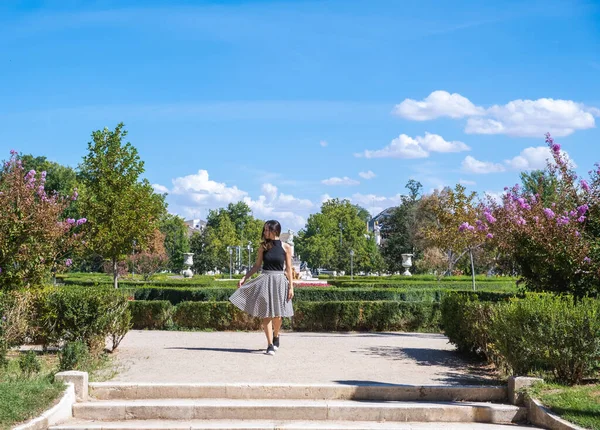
<point>499,285</point>
<point>309,316</point>
<point>308,294</point>
<point>136,284</point>
<point>539,334</point>
<point>150,315</point>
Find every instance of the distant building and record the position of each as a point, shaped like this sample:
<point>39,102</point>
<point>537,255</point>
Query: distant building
<point>195,225</point>
<point>377,224</point>
<point>380,219</point>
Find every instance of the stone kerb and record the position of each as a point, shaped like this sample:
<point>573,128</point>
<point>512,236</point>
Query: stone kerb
<point>537,413</point>
<point>59,413</point>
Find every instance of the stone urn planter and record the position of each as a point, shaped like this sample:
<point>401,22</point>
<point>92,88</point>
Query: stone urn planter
<point>406,263</point>
<point>188,261</point>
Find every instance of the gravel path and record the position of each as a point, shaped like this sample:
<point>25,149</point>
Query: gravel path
<point>352,358</point>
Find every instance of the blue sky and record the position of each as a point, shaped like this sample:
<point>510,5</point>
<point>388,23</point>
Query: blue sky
<point>287,103</point>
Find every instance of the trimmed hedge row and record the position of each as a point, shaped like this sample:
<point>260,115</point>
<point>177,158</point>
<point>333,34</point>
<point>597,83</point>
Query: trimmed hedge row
<point>539,334</point>
<point>499,285</point>
<point>307,294</point>
<point>136,284</point>
<point>309,316</point>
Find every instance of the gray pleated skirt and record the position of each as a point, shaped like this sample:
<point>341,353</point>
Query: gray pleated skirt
<point>264,296</point>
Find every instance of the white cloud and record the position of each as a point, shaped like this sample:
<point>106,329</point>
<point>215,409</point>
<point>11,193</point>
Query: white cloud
<point>495,195</point>
<point>472,165</point>
<point>437,104</point>
<point>200,190</point>
<point>340,181</point>
<point>419,147</point>
<point>526,118</point>
<point>269,190</point>
<point>374,203</point>
<point>467,182</point>
<point>530,159</point>
<point>534,118</point>
<point>367,175</point>
<point>323,143</point>
<point>193,195</point>
<point>325,197</point>
<point>160,189</point>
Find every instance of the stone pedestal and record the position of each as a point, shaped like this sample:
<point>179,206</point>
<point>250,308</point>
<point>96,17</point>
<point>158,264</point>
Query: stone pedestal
<point>79,381</point>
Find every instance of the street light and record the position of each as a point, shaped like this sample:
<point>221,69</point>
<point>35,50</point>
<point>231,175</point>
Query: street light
<point>352,264</point>
<point>249,248</point>
<point>230,249</point>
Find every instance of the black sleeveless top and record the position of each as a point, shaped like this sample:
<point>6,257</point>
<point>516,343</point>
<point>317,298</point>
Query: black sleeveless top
<point>274,258</point>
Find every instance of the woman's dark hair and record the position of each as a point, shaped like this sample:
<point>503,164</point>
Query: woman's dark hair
<point>271,225</point>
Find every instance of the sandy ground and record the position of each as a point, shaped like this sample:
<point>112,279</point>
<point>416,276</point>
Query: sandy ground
<point>305,358</point>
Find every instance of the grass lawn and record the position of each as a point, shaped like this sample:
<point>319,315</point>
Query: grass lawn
<point>579,404</point>
<point>23,398</point>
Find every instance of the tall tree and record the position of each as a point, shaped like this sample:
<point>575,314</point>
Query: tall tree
<point>176,240</point>
<point>400,228</point>
<point>122,210</point>
<point>329,236</point>
<point>540,182</point>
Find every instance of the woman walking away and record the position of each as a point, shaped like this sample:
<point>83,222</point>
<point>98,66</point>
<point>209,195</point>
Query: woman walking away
<point>269,296</point>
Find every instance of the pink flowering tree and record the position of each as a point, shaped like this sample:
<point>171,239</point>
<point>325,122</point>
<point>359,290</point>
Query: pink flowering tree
<point>34,240</point>
<point>555,246</point>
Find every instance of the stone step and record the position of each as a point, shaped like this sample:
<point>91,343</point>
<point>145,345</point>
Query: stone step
<point>287,410</point>
<point>274,425</point>
<point>438,393</point>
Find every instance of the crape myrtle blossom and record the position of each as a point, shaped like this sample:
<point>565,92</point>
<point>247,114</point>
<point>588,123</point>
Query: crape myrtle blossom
<point>551,239</point>
<point>35,239</point>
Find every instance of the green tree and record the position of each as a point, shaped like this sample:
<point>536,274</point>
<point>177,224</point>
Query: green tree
<point>400,229</point>
<point>540,182</point>
<point>122,210</point>
<point>59,178</point>
<point>176,240</point>
<point>458,229</point>
<point>330,234</point>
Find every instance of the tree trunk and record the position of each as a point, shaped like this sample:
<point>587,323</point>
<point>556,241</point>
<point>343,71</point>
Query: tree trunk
<point>115,273</point>
<point>472,268</point>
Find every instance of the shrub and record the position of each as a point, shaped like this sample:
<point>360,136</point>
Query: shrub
<point>73,356</point>
<point>150,314</point>
<point>29,363</point>
<point>550,334</point>
<point>465,320</point>
<point>89,315</point>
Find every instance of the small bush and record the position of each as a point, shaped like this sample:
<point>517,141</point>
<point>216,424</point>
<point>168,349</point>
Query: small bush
<point>150,314</point>
<point>465,320</point>
<point>74,356</point>
<point>89,315</point>
<point>547,333</point>
<point>29,363</point>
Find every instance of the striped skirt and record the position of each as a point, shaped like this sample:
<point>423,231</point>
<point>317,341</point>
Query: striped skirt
<point>265,296</point>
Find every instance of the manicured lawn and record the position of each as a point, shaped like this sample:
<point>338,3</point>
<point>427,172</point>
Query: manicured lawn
<point>579,404</point>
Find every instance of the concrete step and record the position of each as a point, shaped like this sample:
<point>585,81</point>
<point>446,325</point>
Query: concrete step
<point>438,393</point>
<point>294,410</point>
<point>275,425</point>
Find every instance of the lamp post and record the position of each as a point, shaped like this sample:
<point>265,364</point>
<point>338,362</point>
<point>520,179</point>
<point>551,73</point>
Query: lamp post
<point>352,264</point>
<point>230,249</point>
<point>249,248</point>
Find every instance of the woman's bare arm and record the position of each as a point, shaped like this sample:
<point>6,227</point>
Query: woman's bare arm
<point>288,269</point>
